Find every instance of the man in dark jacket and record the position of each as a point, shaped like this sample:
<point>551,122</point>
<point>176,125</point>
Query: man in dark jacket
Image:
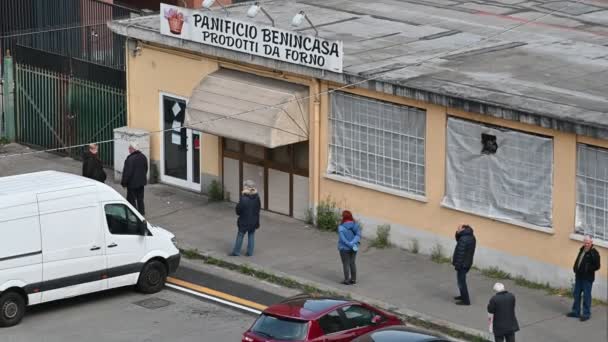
<point>502,310</point>
<point>91,165</point>
<point>586,264</point>
<point>134,177</point>
<point>248,211</point>
<point>463,260</point>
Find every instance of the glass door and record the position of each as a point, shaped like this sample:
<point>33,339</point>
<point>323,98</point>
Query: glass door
<point>180,147</point>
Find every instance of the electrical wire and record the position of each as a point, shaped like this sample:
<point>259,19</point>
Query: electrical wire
<point>306,97</point>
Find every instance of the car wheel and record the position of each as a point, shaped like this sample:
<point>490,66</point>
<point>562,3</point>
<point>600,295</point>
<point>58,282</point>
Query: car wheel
<point>12,309</point>
<point>152,277</point>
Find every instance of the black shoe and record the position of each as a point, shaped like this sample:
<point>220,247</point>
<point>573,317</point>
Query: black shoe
<point>233,254</point>
<point>572,314</point>
<point>346,282</point>
<point>584,318</point>
<point>458,298</point>
<point>249,254</point>
<point>463,303</point>
<point>352,282</point>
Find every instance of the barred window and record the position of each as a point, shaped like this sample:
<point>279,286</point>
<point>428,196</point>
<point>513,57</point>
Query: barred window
<point>592,192</point>
<point>499,173</point>
<point>377,142</point>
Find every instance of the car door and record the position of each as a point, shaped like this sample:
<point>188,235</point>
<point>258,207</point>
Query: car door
<point>333,327</point>
<point>359,320</point>
<point>125,244</point>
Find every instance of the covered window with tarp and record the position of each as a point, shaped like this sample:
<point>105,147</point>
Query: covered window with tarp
<point>377,142</point>
<point>592,192</point>
<point>499,173</point>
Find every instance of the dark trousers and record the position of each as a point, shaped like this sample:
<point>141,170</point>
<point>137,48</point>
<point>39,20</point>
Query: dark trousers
<point>348,265</point>
<point>582,288</point>
<point>505,338</point>
<point>136,198</point>
<point>461,276</point>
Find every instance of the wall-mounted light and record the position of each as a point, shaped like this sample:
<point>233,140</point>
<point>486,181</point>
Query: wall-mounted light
<point>299,18</point>
<point>255,9</point>
<point>134,47</point>
<point>208,3</point>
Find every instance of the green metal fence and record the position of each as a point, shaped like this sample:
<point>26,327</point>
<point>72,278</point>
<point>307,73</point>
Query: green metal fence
<point>56,110</point>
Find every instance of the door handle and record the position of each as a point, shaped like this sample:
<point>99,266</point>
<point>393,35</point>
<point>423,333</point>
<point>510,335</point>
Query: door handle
<point>112,245</point>
<point>95,248</point>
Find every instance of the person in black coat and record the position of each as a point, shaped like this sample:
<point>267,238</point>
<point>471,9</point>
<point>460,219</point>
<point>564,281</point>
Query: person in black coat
<point>463,260</point>
<point>502,310</point>
<point>248,211</point>
<point>586,264</point>
<point>134,177</point>
<point>92,166</point>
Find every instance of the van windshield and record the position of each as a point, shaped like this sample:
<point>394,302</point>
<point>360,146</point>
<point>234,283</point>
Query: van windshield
<point>280,328</point>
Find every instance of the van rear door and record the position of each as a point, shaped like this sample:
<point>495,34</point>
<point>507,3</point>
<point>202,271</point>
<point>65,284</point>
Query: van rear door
<point>126,246</point>
<point>73,243</point>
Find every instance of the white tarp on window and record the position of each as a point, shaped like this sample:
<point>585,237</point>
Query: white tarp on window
<point>514,184</point>
<point>592,192</point>
<point>377,142</point>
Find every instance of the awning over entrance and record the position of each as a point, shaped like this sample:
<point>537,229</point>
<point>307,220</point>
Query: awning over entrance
<point>249,108</point>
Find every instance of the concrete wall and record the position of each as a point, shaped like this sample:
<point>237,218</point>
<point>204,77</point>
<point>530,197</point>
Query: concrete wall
<point>537,255</point>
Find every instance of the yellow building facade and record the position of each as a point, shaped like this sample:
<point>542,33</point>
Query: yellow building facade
<point>418,174</point>
<point>161,71</point>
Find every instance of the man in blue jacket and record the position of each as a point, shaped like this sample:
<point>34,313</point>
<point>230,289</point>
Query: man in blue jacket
<point>463,260</point>
<point>349,235</point>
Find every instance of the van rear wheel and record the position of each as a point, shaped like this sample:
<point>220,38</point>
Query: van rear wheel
<point>152,277</point>
<point>12,309</point>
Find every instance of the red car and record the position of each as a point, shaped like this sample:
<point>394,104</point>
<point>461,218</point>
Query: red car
<point>314,319</point>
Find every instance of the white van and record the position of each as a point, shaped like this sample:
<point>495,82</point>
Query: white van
<point>63,235</point>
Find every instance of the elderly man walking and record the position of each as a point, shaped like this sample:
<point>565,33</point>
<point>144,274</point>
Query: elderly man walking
<point>501,309</point>
<point>463,260</point>
<point>248,211</point>
<point>586,264</point>
<point>134,177</point>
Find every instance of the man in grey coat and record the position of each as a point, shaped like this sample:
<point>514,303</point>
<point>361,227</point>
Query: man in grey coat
<point>502,314</point>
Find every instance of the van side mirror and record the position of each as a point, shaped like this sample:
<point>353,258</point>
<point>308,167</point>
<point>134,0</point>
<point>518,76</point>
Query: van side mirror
<point>142,227</point>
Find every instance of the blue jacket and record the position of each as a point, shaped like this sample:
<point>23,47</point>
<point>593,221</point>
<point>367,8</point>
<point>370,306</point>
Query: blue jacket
<point>349,235</point>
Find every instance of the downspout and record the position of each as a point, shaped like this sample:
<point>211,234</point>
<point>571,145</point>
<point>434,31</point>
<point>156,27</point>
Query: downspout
<point>316,145</point>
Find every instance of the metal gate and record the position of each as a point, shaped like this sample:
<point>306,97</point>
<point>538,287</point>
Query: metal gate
<point>61,106</point>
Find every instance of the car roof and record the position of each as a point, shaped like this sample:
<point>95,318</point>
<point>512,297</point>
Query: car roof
<point>400,334</point>
<point>307,307</point>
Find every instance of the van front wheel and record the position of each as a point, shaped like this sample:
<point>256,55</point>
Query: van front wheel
<point>12,309</point>
<point>152,277</point>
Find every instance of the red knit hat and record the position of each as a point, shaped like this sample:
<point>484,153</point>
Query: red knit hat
<point>347,216</point>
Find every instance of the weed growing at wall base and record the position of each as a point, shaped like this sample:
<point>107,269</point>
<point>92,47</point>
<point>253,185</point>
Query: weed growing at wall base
<point>215,191</point>
<point>328,217</point>
<point>438,256</point>
<point>382,236</point>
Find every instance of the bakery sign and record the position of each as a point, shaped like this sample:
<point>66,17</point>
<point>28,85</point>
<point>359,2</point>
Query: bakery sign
<point>266,41</point>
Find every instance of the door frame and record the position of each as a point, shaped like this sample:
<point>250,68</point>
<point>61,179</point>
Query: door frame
<point>188,183</point>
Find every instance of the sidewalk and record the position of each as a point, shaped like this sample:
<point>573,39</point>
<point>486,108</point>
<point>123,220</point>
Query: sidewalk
<point>411,283</point>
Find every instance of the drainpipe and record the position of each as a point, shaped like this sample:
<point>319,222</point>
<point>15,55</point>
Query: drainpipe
<point>317,145</point>
<point>8,98</point>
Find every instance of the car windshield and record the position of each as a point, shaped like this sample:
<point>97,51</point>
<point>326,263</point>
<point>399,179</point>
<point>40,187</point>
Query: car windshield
<point>280,328</point>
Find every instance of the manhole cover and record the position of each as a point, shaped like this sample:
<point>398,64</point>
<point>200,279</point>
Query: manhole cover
<point>153,303</point>
<point>163,192</point>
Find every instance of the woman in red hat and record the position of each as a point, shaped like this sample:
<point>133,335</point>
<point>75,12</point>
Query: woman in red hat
<point>349,235</point>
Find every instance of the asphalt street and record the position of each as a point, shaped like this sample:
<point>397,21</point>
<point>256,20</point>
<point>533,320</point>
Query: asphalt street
<point>123,315</point>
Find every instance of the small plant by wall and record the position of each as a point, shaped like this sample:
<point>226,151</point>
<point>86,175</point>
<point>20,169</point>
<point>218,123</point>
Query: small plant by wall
<point>328,216</point>
<point>215,191</point>
<point>382,236</point>
<point>414,246</point>
<point>438,256</point>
